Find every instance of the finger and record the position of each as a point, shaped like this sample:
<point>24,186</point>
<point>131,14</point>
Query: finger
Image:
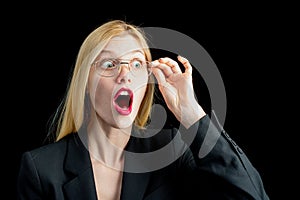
<point>172,63</point>
<point>163,67</point>
<point>186,64</point>
<point>159,75</point>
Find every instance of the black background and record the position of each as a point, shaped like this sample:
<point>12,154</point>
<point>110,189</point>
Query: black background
<point>245,42</point>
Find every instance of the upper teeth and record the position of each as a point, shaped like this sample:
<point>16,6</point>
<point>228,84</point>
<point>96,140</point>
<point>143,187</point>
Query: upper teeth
<point>124,93</point>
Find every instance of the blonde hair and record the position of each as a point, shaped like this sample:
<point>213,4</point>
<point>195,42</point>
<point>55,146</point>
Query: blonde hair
<point>69,116</point>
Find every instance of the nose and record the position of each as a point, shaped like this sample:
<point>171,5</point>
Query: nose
<point>123,75</point>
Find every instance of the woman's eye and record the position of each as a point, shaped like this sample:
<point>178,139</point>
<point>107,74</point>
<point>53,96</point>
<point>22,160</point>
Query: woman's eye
<point>107,64</point>
<point>136,64</point>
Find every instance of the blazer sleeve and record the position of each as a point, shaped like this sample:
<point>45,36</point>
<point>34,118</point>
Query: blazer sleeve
<point>212,152</point>
<point>28,183</point>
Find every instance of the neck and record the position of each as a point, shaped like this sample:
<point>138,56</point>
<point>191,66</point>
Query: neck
<point>107,143</point>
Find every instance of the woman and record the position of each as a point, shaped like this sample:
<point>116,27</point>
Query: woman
<point>102,148</point>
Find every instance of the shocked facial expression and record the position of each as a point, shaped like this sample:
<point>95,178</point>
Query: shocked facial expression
<point>118,81</point>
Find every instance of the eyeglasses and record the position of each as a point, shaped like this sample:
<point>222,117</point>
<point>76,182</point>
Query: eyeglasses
<point>112,67</point>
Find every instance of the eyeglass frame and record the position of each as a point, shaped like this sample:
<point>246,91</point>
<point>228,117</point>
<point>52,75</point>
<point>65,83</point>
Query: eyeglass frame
<point>120,63</point>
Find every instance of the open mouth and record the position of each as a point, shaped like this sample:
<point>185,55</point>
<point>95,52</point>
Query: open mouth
<point>123,101</point>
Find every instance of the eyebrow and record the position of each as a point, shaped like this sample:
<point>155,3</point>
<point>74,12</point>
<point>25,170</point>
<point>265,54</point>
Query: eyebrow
<point>113,54</point>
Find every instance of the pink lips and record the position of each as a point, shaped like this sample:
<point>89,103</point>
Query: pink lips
<point>123,101</point>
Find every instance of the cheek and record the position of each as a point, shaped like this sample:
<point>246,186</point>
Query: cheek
<point>103,95</point>
<point>139,93</point>
<point>100,90</point>
<point>141,84</point>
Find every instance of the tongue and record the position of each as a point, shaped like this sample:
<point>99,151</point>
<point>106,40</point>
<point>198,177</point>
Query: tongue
<point>123,101</point>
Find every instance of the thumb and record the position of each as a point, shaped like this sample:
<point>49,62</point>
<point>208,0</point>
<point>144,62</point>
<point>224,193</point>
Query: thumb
<point>160,77</point>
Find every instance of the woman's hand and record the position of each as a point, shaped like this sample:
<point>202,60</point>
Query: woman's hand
<point>177,89</point>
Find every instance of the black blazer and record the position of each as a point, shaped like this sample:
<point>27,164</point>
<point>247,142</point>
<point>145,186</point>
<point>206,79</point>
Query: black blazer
<point>208,165</point>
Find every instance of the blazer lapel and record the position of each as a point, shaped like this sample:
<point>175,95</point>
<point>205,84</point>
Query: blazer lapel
<point>78,164</point>
<point>134,184</point>
<point>82,185</point>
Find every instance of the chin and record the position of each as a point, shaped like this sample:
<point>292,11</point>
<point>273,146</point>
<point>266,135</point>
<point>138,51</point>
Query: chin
<point>124,123</point>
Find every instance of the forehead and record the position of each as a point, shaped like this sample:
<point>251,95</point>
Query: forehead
<point>122,45</point>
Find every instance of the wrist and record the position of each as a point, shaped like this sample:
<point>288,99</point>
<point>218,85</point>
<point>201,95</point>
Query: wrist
<point>191,114</point>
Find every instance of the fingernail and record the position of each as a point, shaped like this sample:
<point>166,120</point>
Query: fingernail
<point>154,63</point>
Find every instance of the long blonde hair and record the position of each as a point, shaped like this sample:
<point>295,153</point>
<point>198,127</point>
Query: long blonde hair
<point>70,116</point>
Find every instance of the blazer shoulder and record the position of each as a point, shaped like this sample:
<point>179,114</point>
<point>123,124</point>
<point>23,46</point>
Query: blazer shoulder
<point>51,150</point>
